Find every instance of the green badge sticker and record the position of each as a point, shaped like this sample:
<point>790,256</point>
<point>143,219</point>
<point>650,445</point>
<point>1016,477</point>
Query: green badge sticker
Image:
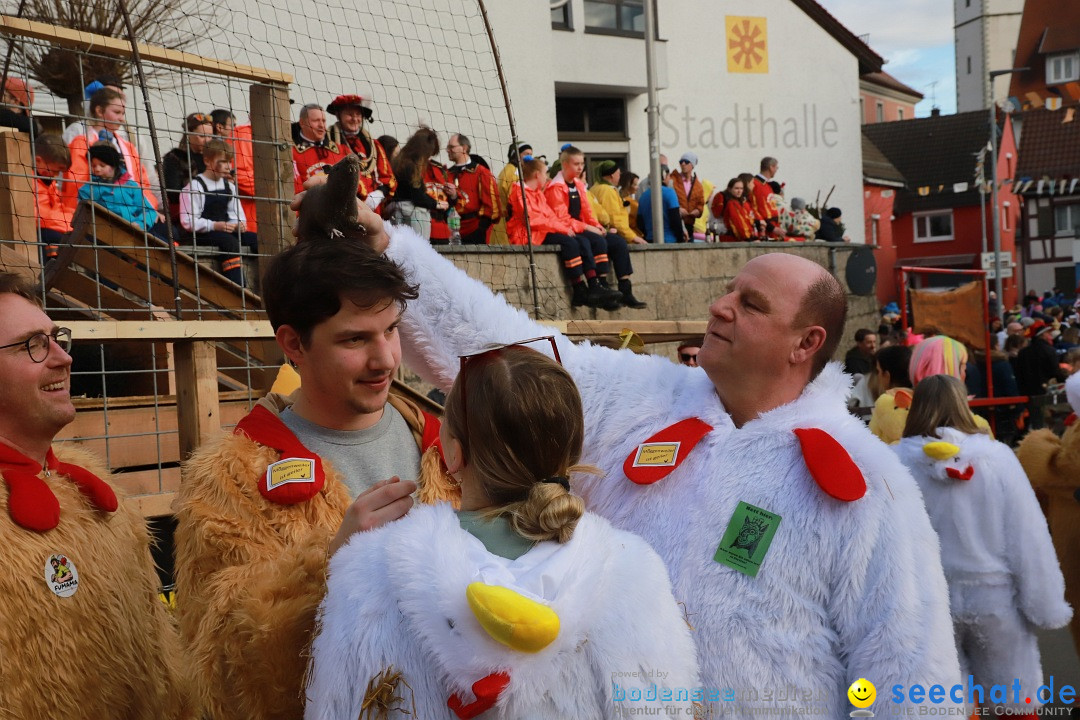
<point>747,539</point>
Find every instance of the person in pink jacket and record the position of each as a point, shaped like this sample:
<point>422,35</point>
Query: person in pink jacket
<point>548,227</point>
<point>567,196</point>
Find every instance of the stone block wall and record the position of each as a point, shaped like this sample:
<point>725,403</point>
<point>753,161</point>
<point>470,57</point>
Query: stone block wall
<point>679,282</point>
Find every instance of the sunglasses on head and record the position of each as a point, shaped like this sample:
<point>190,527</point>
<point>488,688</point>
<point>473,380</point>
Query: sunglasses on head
<point>490,353</point>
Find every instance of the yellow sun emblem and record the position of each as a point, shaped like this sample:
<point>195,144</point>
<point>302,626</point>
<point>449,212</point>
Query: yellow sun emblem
<point>747,44</point>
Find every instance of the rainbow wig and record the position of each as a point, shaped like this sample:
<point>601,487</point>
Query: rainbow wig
<point>938,355</point>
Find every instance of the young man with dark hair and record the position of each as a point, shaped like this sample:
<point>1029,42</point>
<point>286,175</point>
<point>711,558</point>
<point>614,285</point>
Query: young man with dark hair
<point>859,360</point>
<point>261,508</point>
<point>92,640</point>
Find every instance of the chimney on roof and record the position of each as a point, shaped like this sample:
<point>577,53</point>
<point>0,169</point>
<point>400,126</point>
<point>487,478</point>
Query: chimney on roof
<point>935,112</point>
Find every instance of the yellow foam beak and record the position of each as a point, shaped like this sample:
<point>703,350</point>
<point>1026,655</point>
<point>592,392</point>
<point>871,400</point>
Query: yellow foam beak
<point>940,450</point>
<point>511,618</point>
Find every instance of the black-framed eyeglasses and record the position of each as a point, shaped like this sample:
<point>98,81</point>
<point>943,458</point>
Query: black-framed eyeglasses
<point>490,352</point>
<point>38,345</point>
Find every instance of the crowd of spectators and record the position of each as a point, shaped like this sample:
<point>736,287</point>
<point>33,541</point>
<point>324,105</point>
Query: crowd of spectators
<point>1032,352</point>
<point>461,201</point>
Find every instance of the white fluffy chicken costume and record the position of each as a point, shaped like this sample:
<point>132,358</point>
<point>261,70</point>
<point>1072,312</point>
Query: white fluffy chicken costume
<point>559,632</point>
<point>1003,574</point>
<point>785,584</point>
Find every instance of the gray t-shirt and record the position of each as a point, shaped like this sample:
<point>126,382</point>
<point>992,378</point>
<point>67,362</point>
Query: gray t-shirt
<point>362,458</point>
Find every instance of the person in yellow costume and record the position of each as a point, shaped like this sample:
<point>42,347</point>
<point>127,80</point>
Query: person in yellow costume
<point>939,355</point>
<point>606,192</point>
<point>506,180</point>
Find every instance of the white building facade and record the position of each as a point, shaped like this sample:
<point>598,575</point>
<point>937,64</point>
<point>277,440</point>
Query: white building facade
<point>985,32</point>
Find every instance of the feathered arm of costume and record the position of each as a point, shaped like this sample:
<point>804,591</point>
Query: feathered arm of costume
<point>890,603</point>
<point>456,315</point>
<point>645,631</point>
<point>249,579</point>
<point>1031,556</point>
<point>362,656</point>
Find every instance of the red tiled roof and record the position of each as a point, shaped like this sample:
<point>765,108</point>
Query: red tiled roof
<point>1060,38</point>
<point>869,61</point>
<point>886,80</point>
<point>1045,27</point>
<point>1049,147</point>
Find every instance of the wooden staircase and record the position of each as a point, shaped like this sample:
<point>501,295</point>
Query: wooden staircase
<point>114,270</point>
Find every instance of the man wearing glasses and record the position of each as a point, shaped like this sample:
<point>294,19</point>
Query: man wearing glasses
<point>83,634</point>
<point>798,544</point>
<point>477,185</point>
<point>688,352</point>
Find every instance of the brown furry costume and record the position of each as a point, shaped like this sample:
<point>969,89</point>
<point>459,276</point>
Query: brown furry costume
<point>1053,466</point>
<point>250,573</point>
<point>107,651</point>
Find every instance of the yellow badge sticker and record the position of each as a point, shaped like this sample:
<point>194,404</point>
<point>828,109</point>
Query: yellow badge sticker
<point>290,470</point>
<point>658,454</point>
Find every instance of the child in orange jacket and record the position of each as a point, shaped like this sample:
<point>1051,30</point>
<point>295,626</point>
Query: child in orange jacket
<point>548,228</point>
<point>55,194</point>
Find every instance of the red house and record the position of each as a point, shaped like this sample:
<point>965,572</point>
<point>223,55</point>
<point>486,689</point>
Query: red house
<point>939,217</point>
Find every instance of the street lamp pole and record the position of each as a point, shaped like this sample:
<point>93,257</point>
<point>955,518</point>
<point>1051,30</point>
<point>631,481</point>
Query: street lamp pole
<point>656,183</point>
<point>993,188</point>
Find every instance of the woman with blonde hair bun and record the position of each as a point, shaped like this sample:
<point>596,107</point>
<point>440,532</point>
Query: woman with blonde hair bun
<point>518,605</point>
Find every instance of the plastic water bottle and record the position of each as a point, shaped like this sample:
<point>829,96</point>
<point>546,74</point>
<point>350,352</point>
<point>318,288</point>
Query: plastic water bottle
<point>454,221</point>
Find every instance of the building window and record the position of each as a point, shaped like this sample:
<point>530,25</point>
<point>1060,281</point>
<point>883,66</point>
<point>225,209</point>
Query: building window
<point>933,226</point>
<point>881,112</point>
<point>619,17</point>
<point>590,118</point>
<point>899,113</point>
<point>1062,68</point>
<point>1067,220</point>
<point>862,111</point>
<point>560,18</point>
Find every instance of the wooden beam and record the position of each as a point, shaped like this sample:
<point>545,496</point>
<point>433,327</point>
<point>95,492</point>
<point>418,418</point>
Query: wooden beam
<point>18,220</point>
<point>198,413</point>
<point>179,330</point>
<point>271,136</point>
<point>120,47</point>
<point>651,331</point>
<point>153,505</point>
<point>171,330</point>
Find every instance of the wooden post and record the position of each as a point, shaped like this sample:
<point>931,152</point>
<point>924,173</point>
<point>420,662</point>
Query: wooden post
<point>272,149</point>
<point>271,135</point>
<point>18,218</point>
<point>198,415</point>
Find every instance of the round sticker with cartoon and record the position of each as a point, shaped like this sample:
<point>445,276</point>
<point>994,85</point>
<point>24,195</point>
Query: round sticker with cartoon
<point>61,575</point>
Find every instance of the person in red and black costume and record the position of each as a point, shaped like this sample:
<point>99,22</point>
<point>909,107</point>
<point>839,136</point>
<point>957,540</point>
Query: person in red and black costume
<point>376,176</point>
<point>476,184</point>
<point>313,151</point>
<point>759,197</point>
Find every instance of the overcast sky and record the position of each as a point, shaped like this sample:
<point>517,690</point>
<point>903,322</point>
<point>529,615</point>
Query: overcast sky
<point>916,39</point>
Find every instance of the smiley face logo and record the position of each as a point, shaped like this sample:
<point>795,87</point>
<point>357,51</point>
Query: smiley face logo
<point>862,693</point>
